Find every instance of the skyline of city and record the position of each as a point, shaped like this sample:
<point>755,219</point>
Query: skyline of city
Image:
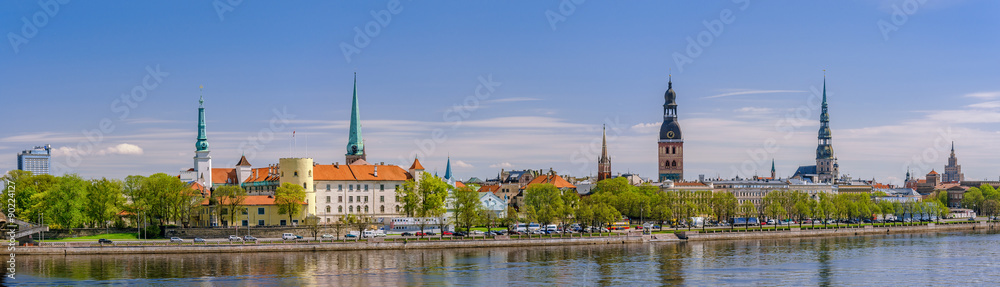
<point>536,114</point>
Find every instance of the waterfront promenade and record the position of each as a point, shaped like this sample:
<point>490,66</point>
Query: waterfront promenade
<point>399,243</point>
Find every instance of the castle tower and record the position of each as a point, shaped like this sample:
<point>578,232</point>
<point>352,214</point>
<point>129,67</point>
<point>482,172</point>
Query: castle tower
<point>202,159</point>
<point>604,163</point>
<point>299,171</point>
<point>671,143</point>
<point>953,171</point>
<point>355,143</point>
<point>827,168</point>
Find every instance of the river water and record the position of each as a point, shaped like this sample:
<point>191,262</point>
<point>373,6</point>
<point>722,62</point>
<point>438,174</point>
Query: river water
<point>958,258</point>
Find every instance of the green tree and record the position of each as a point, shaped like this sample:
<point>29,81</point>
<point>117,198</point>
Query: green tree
<point>990,208</point>
<point>424,197</point>
<point>546,201</point>
<point>973,199</point>
<point>510,218</point>
<point>468,209</point>
<point>289,198</point>
<point>231,198</point>
<point>104,201</point>
<point>63,204</point>
<point>803,209</point>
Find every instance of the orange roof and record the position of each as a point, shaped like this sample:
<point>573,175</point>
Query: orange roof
<point>932,172</point>
<point>489,188</point>
<point>243,161</point>
<point>416,164</point>
<point>260,174</point>
<point>358,172</point>
<point>922,181</point>
<point>556,180</point>
<point>224,175</point>
<point>459,184</point>
<point>250,200</point>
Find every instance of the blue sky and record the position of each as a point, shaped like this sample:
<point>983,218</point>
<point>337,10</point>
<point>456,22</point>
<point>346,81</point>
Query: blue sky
<point>896,98</point>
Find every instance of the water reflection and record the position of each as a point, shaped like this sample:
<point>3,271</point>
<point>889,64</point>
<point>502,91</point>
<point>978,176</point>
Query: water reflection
<point>909,259</point>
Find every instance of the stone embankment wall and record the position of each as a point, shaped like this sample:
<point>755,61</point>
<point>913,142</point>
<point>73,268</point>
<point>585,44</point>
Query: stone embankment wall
<point>796,232</point>
<point>338,246</point>
<point>259,232</point>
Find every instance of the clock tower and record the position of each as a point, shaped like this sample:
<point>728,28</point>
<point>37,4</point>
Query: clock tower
<point>671,143</point>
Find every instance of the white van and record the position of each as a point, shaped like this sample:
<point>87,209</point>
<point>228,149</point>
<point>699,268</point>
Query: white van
<point>521,227</point>
<point>551,227</point>
<point>288,236</point>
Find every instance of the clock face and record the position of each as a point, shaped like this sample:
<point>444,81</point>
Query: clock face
<point>670,134</point>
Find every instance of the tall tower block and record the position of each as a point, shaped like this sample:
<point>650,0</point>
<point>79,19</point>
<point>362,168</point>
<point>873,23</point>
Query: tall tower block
<point>671,143</point>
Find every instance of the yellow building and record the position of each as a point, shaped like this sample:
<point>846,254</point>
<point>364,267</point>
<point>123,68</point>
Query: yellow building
<point>258,210</point>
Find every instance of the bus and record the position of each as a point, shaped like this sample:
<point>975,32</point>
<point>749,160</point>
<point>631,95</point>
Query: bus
<point>619,225</point>
<point>745,221</point>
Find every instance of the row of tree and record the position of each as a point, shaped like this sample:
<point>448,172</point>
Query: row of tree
<point>69,201</point>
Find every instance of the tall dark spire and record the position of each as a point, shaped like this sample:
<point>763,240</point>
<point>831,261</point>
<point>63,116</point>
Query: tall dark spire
<point>355,142</point>
<point>604,163</point>
<point>202,143</point>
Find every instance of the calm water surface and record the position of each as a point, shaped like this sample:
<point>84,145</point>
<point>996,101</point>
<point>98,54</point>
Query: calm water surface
<point>962,258</point>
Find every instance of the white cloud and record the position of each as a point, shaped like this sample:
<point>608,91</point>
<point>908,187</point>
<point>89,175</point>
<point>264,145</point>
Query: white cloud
<point>985,105</point>
<point>502,165</point>
<point>752,92</point>
<point>984,95</point>
<point>511,100</point>
<point>122,149</point>
<point>646,128</point>
<point>462,164</point>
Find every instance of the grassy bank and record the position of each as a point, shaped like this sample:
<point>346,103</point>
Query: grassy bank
<point>111,236</point>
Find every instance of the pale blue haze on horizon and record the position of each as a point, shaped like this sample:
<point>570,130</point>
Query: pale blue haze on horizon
<point>895,102</point>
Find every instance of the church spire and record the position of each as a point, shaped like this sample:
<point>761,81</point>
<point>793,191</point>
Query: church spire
<point>202,143</point>
<point>355,143</point>
<point>604,163</point>
<point>447,170</point>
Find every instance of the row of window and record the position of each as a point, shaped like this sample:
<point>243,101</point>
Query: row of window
<point>351,208</point>
<point>353,187</point>
<point>669,150</point>
<point>381,198</point>
<point>225,211</point>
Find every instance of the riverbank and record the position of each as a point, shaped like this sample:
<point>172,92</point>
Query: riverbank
<point>371,244</point>
<point>795,232</point>
<point>500,241</point>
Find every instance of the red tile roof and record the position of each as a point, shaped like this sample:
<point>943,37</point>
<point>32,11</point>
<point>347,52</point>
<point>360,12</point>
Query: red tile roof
<point>261,174</point>
<point>358,172</point>
<point>556,180</point>
<point>932,172</point>
<point>689,184</point>
<point>459,184</point>
<point>416,165</point>
<point>224,175</point>
<point>243,161</point>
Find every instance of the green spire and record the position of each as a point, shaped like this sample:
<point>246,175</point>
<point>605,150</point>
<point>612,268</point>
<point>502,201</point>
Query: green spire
<point>447,170</point>
<point>202,143</point>
<point>355,143</point>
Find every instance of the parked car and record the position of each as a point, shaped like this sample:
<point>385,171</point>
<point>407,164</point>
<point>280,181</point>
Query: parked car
<point>431,233</point>
<point>350,236</point>
<point>459,234</point>
<point>327,236</point>
<point>288,236</point>
<point>176,240</point>
<point>199,240</point>
<point>234,238</point>
<point>972,219</point>
<point>476,232</point>
<point>249,238</point>
<point>406,234</point>
<point>103,241</point>
<point>297,237</point>
<point>421,233</point>
<point>446,233</point>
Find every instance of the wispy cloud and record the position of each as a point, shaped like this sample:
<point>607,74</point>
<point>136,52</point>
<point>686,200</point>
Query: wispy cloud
<point>512,100</point>
<point>985,105</point>
<point>984,95</point>
<point>752,92</point>
<point>502,165</point>
<point>462,164</point>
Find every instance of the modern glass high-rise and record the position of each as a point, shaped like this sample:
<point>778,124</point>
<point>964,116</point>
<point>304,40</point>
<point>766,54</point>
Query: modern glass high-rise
<point>36,160</point>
